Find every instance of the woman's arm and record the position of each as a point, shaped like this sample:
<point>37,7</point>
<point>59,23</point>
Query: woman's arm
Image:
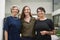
<point>6,35</point>
<point>5,28</point>
<point>51,32</point>
<point>48,32</point>
<point>51,24</point>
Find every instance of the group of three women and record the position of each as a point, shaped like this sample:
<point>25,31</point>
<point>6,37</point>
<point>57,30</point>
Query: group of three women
<point>29,27</point>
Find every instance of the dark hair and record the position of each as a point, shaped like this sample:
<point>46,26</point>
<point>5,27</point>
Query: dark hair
<point>23,14</point>
<point>41,8</point>
<point>13,8</point>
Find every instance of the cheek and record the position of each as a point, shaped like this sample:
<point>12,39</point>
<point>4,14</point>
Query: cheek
<point>39,13</point>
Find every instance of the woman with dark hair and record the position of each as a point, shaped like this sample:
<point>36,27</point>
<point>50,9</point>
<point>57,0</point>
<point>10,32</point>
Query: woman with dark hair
<point>27,24</point>
<point>12,25</point>
<point>44,27</point>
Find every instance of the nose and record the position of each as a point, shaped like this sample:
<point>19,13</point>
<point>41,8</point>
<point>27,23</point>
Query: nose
<point>26,10</point>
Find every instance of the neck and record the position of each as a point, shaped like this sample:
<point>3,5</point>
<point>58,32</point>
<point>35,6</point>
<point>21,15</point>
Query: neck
<point>42,18</point>
<point>27,16</point>
<point>13,15</point>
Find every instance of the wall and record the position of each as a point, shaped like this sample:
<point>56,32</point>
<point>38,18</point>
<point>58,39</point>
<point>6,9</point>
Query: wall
<point>33,4</point>
<point>2,14</point>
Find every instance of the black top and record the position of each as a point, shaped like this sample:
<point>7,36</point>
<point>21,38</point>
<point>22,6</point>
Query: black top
<point>43,25</point>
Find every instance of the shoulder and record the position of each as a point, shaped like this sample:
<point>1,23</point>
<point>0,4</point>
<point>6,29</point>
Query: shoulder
<point>7,18</point>
<point>37,21</point>
<point>33,18</point>
<point>50,21</point>
<point>21,19</point>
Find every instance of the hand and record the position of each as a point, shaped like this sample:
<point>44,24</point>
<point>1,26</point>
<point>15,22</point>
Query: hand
<point>43,32</point>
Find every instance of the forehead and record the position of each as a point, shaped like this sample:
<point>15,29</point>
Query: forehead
<point>26,7</point>
<point>39,10</point>
<point>14,7</point>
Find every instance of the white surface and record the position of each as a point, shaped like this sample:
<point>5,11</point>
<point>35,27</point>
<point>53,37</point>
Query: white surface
<point>54,37</point>
<point>2,11</point>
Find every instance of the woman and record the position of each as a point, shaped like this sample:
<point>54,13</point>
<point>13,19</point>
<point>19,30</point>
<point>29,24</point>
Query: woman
<point>28,24</point>
<point>12,25</point>
<point>43,27</point>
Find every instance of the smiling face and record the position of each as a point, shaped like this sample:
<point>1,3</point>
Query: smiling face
<point>27,11</point>
<point>40,13</point>
<point>15,10</point>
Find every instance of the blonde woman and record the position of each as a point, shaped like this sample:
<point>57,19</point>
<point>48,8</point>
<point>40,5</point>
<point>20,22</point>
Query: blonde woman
<point>12,25</point>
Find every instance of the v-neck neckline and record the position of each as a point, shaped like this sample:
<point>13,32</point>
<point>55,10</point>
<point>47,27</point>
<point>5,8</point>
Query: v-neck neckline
<point>29,21</point>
